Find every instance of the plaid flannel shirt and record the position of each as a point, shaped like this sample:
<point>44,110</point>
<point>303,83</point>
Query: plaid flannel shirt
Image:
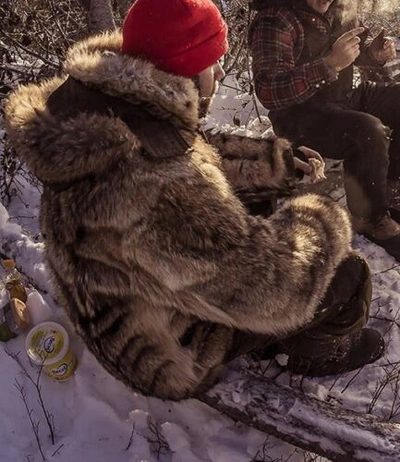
<point>276,41</point>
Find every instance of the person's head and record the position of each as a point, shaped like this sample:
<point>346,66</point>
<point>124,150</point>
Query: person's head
<point>320,6</point>
<point>182,37</point>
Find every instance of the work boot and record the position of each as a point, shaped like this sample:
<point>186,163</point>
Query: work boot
<point>348,353</point>
<point>384,231</point>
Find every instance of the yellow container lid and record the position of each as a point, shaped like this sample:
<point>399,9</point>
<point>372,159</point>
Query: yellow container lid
<point>47,343</point>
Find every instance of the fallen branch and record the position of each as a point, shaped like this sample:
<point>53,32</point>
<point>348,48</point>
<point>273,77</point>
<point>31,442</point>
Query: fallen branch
<point>337,434</point>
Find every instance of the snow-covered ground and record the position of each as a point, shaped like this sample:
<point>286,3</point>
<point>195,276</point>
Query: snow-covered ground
<point>95,418</point>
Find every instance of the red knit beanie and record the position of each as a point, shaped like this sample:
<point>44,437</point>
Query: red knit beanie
<point>181,37</point>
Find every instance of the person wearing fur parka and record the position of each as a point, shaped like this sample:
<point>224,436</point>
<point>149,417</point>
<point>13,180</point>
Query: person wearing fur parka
<point>162,270</point>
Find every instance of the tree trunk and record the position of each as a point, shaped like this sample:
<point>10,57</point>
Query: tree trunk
<point>100,15</point>
<point>337,434</point>
<point>123,6</point>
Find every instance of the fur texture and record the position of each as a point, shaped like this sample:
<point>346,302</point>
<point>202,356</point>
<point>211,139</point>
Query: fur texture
<point>255,164</point>
<point>156,261</point>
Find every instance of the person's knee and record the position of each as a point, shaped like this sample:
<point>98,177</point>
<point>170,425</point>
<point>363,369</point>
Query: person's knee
<point>356,269</point>
<point>368,152</point>
<point>370,133</point>
<point>351,282</point>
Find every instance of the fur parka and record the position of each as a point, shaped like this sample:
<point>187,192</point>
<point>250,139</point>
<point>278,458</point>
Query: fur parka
<point>156,261</point>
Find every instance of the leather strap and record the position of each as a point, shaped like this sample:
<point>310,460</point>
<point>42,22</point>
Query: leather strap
<point>159,137</point>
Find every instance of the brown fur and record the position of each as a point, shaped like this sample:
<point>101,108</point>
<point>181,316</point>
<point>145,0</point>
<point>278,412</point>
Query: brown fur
<point>157,262</point>
<point>255,164</point>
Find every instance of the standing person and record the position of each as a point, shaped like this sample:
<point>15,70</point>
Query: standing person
<point>303,56</point>
<point>162,271</point>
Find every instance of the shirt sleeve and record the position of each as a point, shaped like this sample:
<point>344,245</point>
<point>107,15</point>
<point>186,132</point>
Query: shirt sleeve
<point>279,82</point>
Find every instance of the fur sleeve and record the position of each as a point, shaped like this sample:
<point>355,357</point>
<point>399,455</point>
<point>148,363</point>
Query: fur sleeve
<point>222,265</point>
<point>255,164</point>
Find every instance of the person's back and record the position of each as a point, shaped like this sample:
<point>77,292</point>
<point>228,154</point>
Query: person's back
<point>163,272</point>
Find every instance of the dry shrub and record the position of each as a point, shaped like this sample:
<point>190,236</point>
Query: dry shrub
<point>38,34</point>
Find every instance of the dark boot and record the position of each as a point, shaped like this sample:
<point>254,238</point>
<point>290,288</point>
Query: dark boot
<point>348,353</point>
<point>383,231</point>
<point>334,341</point>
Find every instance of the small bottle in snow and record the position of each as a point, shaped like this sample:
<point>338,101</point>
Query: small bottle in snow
<point>14,316</point>
<point>8,327</point>
<point>13,282</point>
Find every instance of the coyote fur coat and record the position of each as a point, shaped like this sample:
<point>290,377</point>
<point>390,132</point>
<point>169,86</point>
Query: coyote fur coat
<point>155,260</point>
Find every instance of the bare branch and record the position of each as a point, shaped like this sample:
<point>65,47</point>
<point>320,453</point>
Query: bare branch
<point>29,51</point>
<point>34,425</point>
<point>158,444</point>
<point>49,418</point>
<point>131,437</point>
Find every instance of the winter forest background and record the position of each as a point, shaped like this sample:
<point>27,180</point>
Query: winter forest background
<point>92,417</point>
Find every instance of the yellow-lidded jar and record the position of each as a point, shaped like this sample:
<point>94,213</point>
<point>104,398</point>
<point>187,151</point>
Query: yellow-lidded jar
<point>47,345</point>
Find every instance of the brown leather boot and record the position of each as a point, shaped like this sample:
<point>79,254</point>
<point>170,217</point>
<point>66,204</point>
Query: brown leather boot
<point>348,353</point>
<point>383,231</point>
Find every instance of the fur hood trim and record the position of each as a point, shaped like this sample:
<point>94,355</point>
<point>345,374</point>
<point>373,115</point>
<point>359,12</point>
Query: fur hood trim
<point>98,61</point>
<point>45,142</point>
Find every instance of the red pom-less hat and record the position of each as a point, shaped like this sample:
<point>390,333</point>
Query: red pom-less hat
<point>181,37</point>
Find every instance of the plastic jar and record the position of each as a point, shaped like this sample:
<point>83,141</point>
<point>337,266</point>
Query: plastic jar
<point>47,345</point>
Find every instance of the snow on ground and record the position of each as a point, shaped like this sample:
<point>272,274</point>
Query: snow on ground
<point>97,419</point>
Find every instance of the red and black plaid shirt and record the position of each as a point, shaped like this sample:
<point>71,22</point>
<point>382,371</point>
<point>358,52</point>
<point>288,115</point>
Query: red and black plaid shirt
<point>276,43</point>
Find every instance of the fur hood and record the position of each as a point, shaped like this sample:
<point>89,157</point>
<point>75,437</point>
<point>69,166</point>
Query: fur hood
<point>98,63</point>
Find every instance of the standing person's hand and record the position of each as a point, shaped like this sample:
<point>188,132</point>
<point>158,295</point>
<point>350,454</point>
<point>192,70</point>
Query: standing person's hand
<point>382,48</point>
<point>345,50</point>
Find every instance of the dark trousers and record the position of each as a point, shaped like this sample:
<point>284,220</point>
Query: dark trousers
<point>344,311</point>
<point>363,130</point>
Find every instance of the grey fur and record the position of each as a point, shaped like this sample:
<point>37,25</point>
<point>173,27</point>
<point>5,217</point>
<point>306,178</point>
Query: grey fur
<point>151,252</point>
